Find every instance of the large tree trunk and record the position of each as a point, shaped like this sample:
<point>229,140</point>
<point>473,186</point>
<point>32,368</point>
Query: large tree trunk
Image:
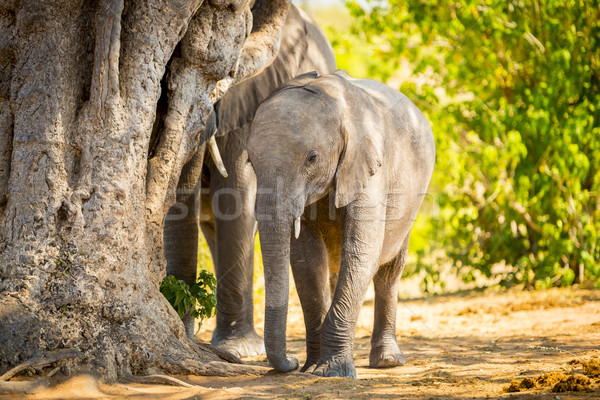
<point>81,204</point>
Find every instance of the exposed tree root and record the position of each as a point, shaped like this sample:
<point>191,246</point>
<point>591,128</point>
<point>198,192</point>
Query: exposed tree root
<point>197,367</point>
<point>41,361</point>
<point>190,366</point>
<point>193,366</point>
<point>23,387</point>
<point>158,379</point>
<point>225,355</point>
<point>28,387</point>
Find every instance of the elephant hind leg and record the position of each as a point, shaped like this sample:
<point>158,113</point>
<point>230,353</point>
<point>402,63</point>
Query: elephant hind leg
<point>385,352</point>
<point>232,202</point>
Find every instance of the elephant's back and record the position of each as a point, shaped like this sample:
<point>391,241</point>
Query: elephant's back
<point>408,130</point>
<point>409,156</point>
<point>319,55</point>
<point>303,48</point>
<point>398,106</point>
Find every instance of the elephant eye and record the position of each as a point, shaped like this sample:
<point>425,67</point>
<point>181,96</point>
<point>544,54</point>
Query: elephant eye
<point>312,157</point>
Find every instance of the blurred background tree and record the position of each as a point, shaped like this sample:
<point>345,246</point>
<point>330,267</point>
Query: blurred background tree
<point>512,90</point>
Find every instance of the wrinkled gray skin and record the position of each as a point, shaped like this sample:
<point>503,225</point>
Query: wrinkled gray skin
<point>354,159</point>
<point>231,228</point>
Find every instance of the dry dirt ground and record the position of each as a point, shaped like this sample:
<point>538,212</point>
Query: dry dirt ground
<point>459,346</point>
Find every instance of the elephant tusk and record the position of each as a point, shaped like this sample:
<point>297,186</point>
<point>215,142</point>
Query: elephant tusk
<point>216,156</point>
<point>297,227</point>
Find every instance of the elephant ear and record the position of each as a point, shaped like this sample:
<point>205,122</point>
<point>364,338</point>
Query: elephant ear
<point>362,130</point>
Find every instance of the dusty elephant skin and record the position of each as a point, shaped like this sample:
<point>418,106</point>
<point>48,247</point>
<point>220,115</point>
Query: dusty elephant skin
<point>224,207</point>
<point>347,163</point>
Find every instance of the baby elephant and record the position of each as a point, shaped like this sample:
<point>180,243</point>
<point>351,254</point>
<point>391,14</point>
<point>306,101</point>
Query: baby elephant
<point>345,164</point>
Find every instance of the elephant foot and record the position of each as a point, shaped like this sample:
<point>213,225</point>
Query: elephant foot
<point>336,366</point>
<point>310,365</point>
<point>386,356</point>
<point>247,345</point>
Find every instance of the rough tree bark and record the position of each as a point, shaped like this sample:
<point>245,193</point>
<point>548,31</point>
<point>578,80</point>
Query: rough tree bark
<point>81,205</point>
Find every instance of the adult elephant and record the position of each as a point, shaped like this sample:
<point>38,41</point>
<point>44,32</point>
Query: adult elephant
<point>225,211</point>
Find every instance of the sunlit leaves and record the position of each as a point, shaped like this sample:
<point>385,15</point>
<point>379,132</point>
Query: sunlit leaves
<point>512,90</point>
<point>199,301</point>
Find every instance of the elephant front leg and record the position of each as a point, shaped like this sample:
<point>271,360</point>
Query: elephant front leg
<point>308,258</point>
<point>337,335</point>
<point>235,230</point>
<point>361,248</point>
<point>234,268</point>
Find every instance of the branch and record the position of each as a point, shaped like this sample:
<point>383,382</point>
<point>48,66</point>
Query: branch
<point>518,207</point>
<point>261,46</point>
<point>172,139</point>
<point>209,51</point>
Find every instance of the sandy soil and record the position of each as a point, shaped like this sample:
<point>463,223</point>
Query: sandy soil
<point>464,345</point>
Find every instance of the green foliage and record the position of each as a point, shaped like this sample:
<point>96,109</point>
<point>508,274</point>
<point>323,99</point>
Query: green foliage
<point>512,90</point>
<point>361,59</point>
<point>200,300</point>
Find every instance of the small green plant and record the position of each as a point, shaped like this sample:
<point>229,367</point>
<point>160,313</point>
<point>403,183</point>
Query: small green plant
<point>200,300</point>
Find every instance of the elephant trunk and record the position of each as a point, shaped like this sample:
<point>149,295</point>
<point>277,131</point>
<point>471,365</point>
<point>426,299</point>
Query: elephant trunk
<point>275,246</point>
